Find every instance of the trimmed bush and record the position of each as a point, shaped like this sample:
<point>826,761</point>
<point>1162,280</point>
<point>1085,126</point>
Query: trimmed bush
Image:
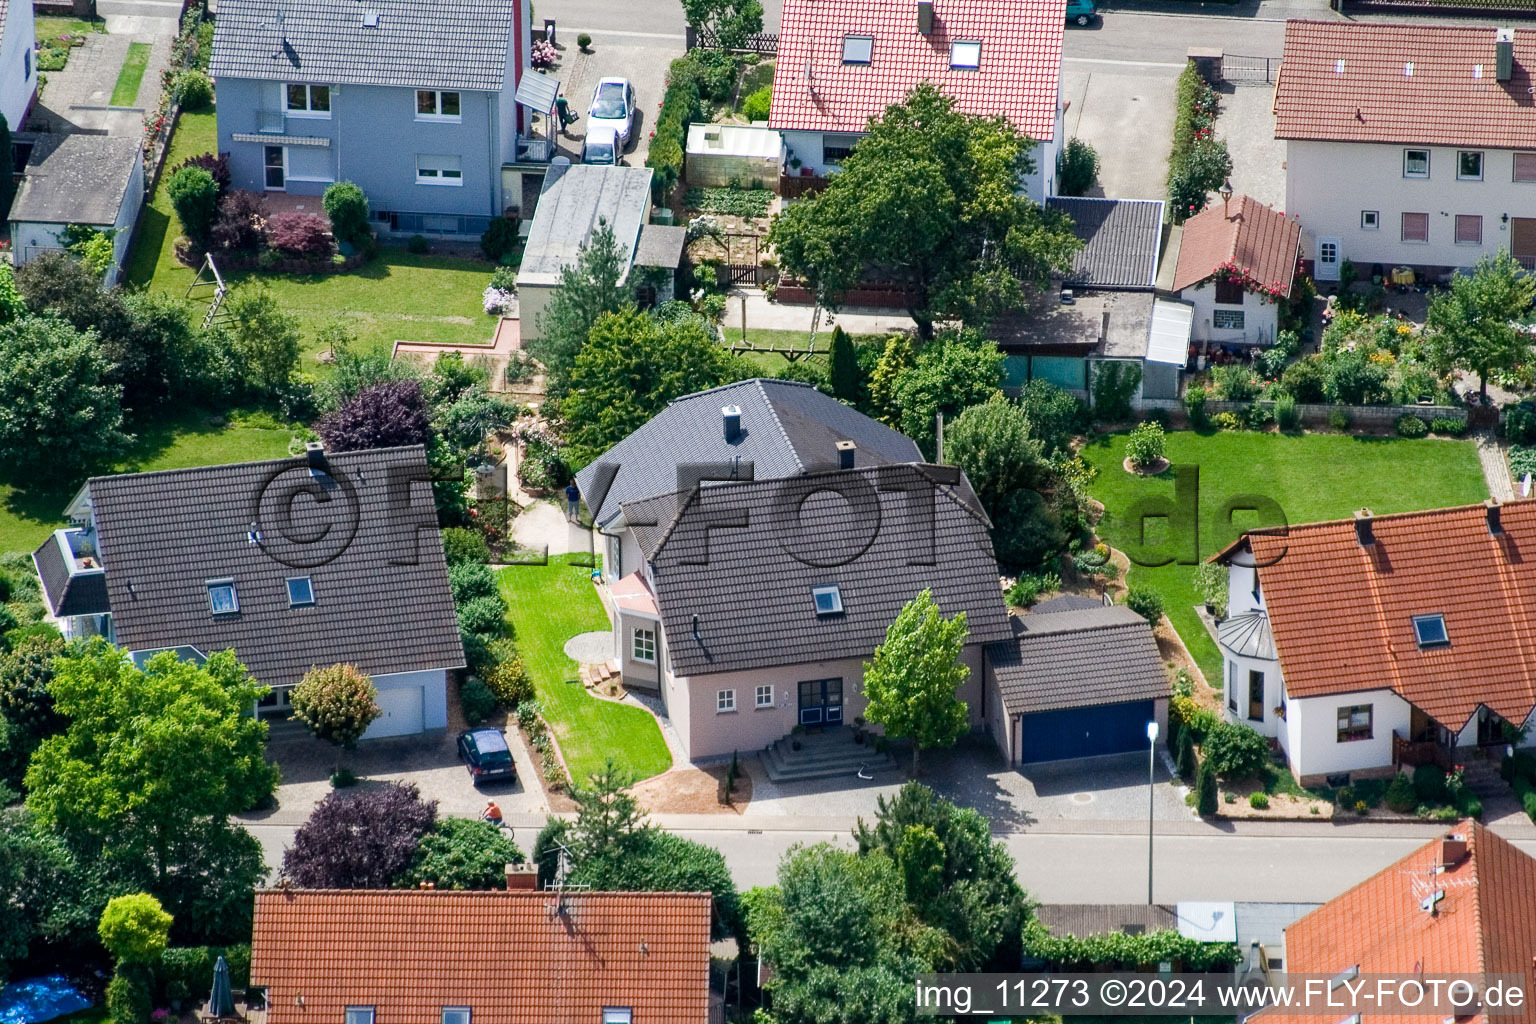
<point>471,580</point>
<point>1145,445</point>
<point>1235,752</point>
<point>1400,796</point>
<point>1077,168</point>
<point>238,227</point>
<point>1195,397</point>
<point>1468,805</point>
<point>1186,759</point>
<point>756,106</point>
<point>679,106</point>
<point>194,90</point>
<point>1448,425</point>
<point>195,198</point>
<point>184,972</point>
<point>1520,423</point>
<point>1258,801</point>
<point>1197,162</point>
<point>507,676</point>
<point>583,42</point>
<point>484,615</point>
<point>128,996</point>
<point>215,164</point>
<point>1200,721</point>
<point>1205,789</point>
<point>499,239</point>
<point>1409,425</point>
<point>417,245</point>
<point>299,234</point>
<point>347,207</point>
<point>1285,412</point>
<point>1145,602</point>
<point>478,701</point>
<point>462,545</point>
<point>1429,784</point>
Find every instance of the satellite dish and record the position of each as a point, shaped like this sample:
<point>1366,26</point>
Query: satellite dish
<point>1525,486</point>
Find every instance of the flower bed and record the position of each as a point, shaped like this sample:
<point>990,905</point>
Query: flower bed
<point>1197,163</point>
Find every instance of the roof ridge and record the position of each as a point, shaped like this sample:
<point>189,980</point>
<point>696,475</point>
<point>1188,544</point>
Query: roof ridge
<point>738,384</point>
<point>248,462</point>
<point>789,444</point>
<point>484,893</point>
<point>1475,833</point>
<point>1281,531</point>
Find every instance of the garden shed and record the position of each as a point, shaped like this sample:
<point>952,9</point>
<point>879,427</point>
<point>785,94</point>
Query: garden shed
<point>94,180</point>
<point>721,155</point>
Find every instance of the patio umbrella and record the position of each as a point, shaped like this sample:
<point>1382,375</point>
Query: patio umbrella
<point>221,1001</point>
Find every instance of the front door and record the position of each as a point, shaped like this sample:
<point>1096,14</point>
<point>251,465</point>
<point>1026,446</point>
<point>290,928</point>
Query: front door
<point>1328,259</point>
<point>821,702</point>
<point>276,159</point>
<point>1490,728</point>
<point>1522,240</point>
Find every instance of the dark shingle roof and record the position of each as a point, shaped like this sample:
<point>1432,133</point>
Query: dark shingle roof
<point>1120,241</point>
<point>1066,603</point>
<point>445,44</point>
<point>81,594</point>
<point>1075,659</point>
<point>787,428</point>
<point>163,535</point>
<point>750,586</point>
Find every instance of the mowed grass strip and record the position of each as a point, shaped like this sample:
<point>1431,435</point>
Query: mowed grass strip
<point>127,88</point>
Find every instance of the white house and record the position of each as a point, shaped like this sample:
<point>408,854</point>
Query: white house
<point>1409,144</point>
<point>842,62</point>
<point>1235,260</point>
<point>1360,645</point>
<point>18,64</point>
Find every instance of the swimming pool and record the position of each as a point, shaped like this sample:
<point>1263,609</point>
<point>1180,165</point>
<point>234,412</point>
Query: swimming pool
<point>37,999</point>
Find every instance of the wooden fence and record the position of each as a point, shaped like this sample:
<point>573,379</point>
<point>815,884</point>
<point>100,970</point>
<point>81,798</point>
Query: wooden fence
<point>765,43</point>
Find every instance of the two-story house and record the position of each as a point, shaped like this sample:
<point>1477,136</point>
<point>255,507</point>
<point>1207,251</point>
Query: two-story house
<point>317,560</point>
<point>1363,644</point>
<point>842,62</point>
<point>514,956</point>
<point>416,103</point>
<point>1409,144</point>
<point>18,65</point>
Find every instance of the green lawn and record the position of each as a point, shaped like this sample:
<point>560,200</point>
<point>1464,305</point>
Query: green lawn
<point>49,29</point>
<point>127,88</point>
<point>396,296</point>
<point>27,515</point>
<point>772,362</point>
<point>1312,477</point>
<point>549,604</point>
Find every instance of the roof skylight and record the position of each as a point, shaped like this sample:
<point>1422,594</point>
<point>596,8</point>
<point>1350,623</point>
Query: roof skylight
<point>829,600</point>
<point>965,55</point>
<point>1429,630</point>
<point>858,49</point>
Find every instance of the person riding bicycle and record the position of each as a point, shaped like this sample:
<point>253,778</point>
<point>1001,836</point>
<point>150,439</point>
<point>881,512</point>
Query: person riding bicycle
<point>492,813</point>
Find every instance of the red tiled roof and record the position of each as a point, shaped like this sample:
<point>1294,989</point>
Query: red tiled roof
<point>1484,924</point>
<point>1349,82</point>
<point>633,594</point>
<point>512,957</point>
<point>1342,613</point>
<point>1018,77</point>
<point>1255,238</point>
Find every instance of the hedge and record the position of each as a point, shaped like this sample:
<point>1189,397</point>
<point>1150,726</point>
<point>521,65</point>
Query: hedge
<point>679,107</point>
<point>186,972</point>
<point>1119,951</point>
<point>1197,162</point>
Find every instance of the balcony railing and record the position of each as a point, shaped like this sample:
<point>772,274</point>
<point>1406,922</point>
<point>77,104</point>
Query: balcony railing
<point>271,122</point>
<point>795,186</point>
<point>534,151</point>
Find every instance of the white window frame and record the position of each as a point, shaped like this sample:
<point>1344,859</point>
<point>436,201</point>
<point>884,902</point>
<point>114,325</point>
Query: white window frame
<point>764,696</point>
<point>642,640</point>
<point>827,590</point>
<point>440,175</point>
<point>1481,164</point>
<point>868,49</point>
<point>309,586</point>
<point>618,1015</point>
<point>223,583</point>
<point>1413,174</point>
<point>1456,228</point>
<point>725,702</point>
<point>359,1015</point>
<point>308,110</point>
<point>1370,220</point>
<point>956,53</point>
<point>437,106</point>
<point>457,1015</point>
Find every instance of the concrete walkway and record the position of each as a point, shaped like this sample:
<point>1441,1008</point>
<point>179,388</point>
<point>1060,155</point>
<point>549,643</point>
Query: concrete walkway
<point>79,98</point>
<point>543,524</point>
<point>762,314</point>
<point>1490,452</point>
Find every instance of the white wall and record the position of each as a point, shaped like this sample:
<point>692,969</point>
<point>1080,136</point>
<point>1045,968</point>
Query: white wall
<point>18,71</point>
<point>434,700</point>
<point>1235,672</point>
<point>1259,317</point>
<point>531,300</point>
<point>1314,745</point>
<point>1037,185</point>
<point>1329,184</point>
<point>1240,589</point>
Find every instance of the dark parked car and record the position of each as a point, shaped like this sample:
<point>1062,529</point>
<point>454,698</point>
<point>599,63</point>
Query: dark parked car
<point>490,760</point>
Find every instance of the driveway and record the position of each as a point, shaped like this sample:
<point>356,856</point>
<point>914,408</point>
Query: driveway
<point>1126,113</point>
<point>643,61</point>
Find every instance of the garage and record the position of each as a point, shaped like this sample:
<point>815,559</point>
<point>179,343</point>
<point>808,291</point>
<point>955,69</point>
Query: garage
<point>1079,679</point>
<point>1084,732</point>
<point>400,713</point>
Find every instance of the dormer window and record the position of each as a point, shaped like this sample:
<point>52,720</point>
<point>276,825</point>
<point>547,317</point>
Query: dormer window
<point>1347,974</point>
<point>222,598</point>
<point>829,600</point>
<point>858,49</point>
<point>301,591</point>
<point>1430,632</point>
<point>965,55</point>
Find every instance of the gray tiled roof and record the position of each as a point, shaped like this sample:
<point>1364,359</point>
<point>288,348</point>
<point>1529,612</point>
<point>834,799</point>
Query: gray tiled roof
<point>444,44</point>
<point>661,245</point>
<point>1078,659</point>
<point>750,586</point>
<point>787,428</point>
<point>76,179</point>
<point>81,594</point>
<point>1248,634</point>
<point>1066,603</point>
<point>573,200</point>
<point>1120,237</point>
<point>163,535</point>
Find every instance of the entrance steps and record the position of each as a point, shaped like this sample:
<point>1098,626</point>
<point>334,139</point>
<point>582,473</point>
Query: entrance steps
<point>825,755</point>
<point>1482,777</point>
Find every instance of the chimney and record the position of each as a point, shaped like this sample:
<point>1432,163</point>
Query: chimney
<point>1453,849</point>
<point>1504,53</point>
<point>925,17</point>
<point>845,454</point>
<point>730,417</point>
<point>522,877</point>
<point>314,453</point>
<point>1495,526</point>
<point>1363,529</point>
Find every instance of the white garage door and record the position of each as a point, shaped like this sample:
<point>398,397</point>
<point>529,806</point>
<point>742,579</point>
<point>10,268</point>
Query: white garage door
<point>400,713</point>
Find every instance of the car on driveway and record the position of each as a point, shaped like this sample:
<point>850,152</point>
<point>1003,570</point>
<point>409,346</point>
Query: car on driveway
<point>488,756</point>
<point>613,106</point>
<point>1081,12</point>
<point>601,146</point>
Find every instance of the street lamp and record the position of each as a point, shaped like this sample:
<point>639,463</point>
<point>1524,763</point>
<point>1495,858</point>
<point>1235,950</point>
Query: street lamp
<point>1225,192</point>
<point>1151,798</point>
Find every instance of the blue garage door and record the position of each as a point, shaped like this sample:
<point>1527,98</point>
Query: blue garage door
<point>1085,732</point>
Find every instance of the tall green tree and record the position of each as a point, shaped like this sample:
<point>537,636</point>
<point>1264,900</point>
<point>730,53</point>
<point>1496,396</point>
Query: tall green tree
<point>134,928</point>
<point>59,416</point>
<point>50,897</point>
<point>732,21</point>
<point>954,371</point>
<point>588,288</point>
<point>12,305</point>
<point>633,365</point>
<point>847,382</point>
<point>993,443</point>
<point>912,680</point>
<point>958,879</point>
<point>1479,324</point>
<point>148,771</point>
<point>266,338</point>
<point>899,354</point>
<point>462,853</point>
<point>930,196</point>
